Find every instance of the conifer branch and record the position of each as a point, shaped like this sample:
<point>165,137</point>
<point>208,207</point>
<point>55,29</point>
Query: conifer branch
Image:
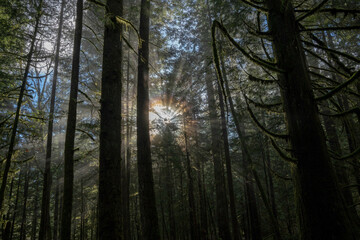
<point>355,110</point>
<point>281,153</point>
<point>256,60</point>
<point>255,6</point>
<point>344,28</point>
<point>261,127</point>
<point>262,81</point>
<point>355,59</point>
<point>312,11</point>
<point>352,79</point>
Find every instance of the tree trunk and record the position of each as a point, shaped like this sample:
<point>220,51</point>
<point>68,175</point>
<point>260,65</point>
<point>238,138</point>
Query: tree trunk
<point>18,107</point>
<point>194,233</point>
<point>322,213</point>
<point>15,207</point>
<point>126,221</point>
<point>35,213</point>
<point>149,217</point>
<point>220,189</point>
<point>254,219</point>
<point>45,229</point>
<point>56,212</point>
<point>70,129</point>
<point>110,134</point>
<point>234,221</point>
<point>25,198</point>
<point>110,226</point>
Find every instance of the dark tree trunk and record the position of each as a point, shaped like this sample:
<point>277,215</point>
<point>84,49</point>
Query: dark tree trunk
<point>15,206</point>
<point>70,129</point>
<point>56,212</point>
<point>110,134</point>
<point>234,221</point>
<point>126,221</point>
<point>149,217</point>
<point>203,234</point>
<point>82,212</point>
<point>25,198</point>
<point>7,224</point>
<point>35,212</point>
<point>194,233</point>
<point>254,219</point>
<point>222,215</point>
<point>45,229</point>
<point>250,198</point>
<point>18,107</point>
<point>322,213</point>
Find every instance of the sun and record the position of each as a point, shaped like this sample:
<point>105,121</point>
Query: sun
<point>161,112</point>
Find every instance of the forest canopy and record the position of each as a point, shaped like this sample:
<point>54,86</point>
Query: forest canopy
<point>167,119</point>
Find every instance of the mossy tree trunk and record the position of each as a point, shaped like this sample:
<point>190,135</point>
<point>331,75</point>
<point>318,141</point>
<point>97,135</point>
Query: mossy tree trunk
<point>110,226</point>
<point>321,211</point>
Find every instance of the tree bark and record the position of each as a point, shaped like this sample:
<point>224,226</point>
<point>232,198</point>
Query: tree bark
<point>56,212</point>
<point>15,206</point>
<point>45,229</point>
<point>149,217</point>
<point>35,213</point>
<point>110,134</point>
<point>194,233</point>
<point>322,213</point>
<point>234,221</point>
<point>126,220</point>
<point>220,188</point>
<point>25,198</point>
<point>70,129</point>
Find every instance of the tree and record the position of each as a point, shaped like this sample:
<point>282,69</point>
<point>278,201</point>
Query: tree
<point>45,229</point>
<point>149,218</point>
<point>110,127</point>
<point>70,129</point>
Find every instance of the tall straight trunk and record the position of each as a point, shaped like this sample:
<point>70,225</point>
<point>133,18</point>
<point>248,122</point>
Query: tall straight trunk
<point>15,206</point>
<point>203,231</point>
<point>270,177</point>
<point>149,217</point>
<point>234,221</point>
<point>194,233</point>
<point>70,129</point>
<point>322,213</point>
<point>82,211</point>
<point>45,229</point>
<point>35,213</point>
<point>110,128</point>
<point>169,188</point>
<point>56,212</point>
<point>203,213</point>
<point>126,221</point>
<point>24,213</point>
<point>222,215</point>
<point>250,198</point>
<point>7,225</point>
<point>19,103</point>
<point>251,203</point>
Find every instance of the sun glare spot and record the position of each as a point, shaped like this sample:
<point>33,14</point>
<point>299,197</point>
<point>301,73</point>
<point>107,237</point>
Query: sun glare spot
<point>161,112</point>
